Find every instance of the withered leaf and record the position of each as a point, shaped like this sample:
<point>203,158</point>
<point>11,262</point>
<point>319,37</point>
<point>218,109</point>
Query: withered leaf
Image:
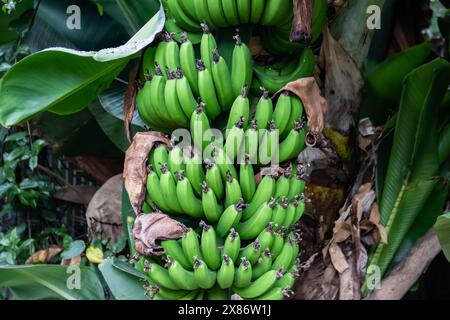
<point>129,104</point>
<point>315,105</point>
<point>135,166</point>
<point>75,261</point>
<point>44,256</point>
<point>301,25</point>
<point>148,228</point>
<point>338,258</point>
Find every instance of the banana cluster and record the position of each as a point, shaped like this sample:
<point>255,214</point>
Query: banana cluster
<point>175,80</point>
<point>224,13</point>
<point>198,267</point>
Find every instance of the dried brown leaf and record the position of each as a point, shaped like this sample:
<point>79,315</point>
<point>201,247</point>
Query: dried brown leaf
<point>44,256</point>
<point>301,25</point>
<point>135,167</point>
<point>148,228</point>
<point>315,105</point>
<point>75,261</point>
<point>338,258</point>
<point>129,104</point>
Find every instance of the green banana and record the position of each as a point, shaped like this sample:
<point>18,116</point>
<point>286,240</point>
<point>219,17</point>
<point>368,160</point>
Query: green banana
<point>275,12</point>
<point>222,79</point>
<point>252,227</point>
<point>172,53</point>
<point>294,143</point>
<point>183,278</point>
<point>264,109</point>
<point>288,279</point>
<point>207,90</point>
<point>199,126</point>
<point>234,141</point>
<point>210,251</point>
<point>175,159</point>
<point>269,145</point>
<point>243,275</point>
<point>232,245</point>
<point>240,109</point>
<point>296,114</point>
<point>191,246</point>
<point>158,156</point>
<point>185,95</point>
<point>169,189</point>
<point>204,277</point>
<point>276,293</point>
<point>297,183</point>
<point>172,103</point>
<point>211,207</point>
<point>214,178</point>
<point>277,245</point>
<point>188,8</point>
<point>287,256</point>
<point>282,186</point>
<point>300,209</point>
<point>279,213</point>
<point>247,179</point>
<point>148,63</point>
<point>180,16</point>
<point>154,190</point>
<point>258,7</point>
<point>168,294</point>
<point>194,172</point>
<point>225,275</point>
<point>172,248</point>
<point>230,11</point>
<point>160,276</point>
<point>244,10</point>
<point>146,207</point>
<point>251,142</point>
<point>242,66</point>
<point>225,164</point>
<point>263,193</point>
<point>144,104</point>
<point>190,204</point>
<point>230,218</point>
<point>290,214</point>
<point>216,13</point>
<point>171,26</point>
<point>260,285</point>
<point>217,293</point>
<point>157,92</point>
<point>282,111</point>
<point>263,265</point>
<point>160,55</point>
<point>187,63</point>
<point>233,191</point>
<point>266,237</point>
<point>207,45</point>
<point>251,252</point>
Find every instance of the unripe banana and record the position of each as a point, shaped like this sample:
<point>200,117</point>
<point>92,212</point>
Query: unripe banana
<point>148,63</point>
<point>287,280</point>
<point>211,207</point>
<point>251,142</point>
<point>282,111</point>
<point>160,292</point>
<point>180,16</point>
<point>172,103</point>
<point>210,250</point>
<point>175,160</point>
<point>144,104</point>
<point>214,179</point>
<point>297,182</point>
<point>191,246</point>
<point>275,12</point>
<point>299,210</point>
<point>264,110</point>
<point>172,53</point>
<point>282,186</point>
<point>172,248</point>
<point>160,55</point>
<point>160,276</point>
<point>290,214</point>
<point>146,207</point>
<point>239,110</point>
<point>169,189</point>
<point>199,126</point>
<point>225,275</point>
<point>157,91</point>
<point>286,257</point>
<point>263,265</point>
<point>232,245</point>
<point>204,277</point>
<point>264,192</point>
<point>234,143</point>
<point>194,172</point>
<point>222,79</point>
<point>230,11</point>
<point>279,213</point>
<point>154,191</point>
<point>244,10</point>
<point>294,143</point>
<point>183,278</point>
<point>266,236</point>
<point>207,91</point>
<point>277,245</point>
<point>207,45</point>
<point>224,163</point>
<point>242,66</point>
<point>232,190</point>
<point>252,252</point>
<point>243,276</point>
<point>247,179</point>
<point>258,7</point>
<point>185,95</point>
<point>260,285</point>
<point>158,156</point>
<point>216,13</point>
<point>296,114</point>
<point>230,218</point>
<point>217,293</point>
<point>252,227</point>
<point>190,204</point>
<point>187,63</point>
<point>276,293</point>
<point>269,145</point>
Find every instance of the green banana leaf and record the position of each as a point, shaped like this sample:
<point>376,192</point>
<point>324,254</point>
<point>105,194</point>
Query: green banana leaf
<point>444,144</point>
<point>384,83</point>
<point>414,157</point>
<point>124,284</point>
<point>32,282</point>
<point>65,81</point>
<point>127,211</point>
<point>442,228</point>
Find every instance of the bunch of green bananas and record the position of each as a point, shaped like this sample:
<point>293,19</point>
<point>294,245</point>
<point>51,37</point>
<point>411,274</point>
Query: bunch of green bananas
<point>197,266</point>
<point>175,79</point>
<point>225,13</point>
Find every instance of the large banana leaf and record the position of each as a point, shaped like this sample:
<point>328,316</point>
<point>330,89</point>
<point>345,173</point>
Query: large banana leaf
<point>32,282</point>
<point>442,228</point>
<point>64,81</point>
<point>125,284</point>
<point>414,157</point>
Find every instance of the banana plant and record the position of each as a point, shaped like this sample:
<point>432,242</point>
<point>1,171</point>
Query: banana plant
<point>413,166</point>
